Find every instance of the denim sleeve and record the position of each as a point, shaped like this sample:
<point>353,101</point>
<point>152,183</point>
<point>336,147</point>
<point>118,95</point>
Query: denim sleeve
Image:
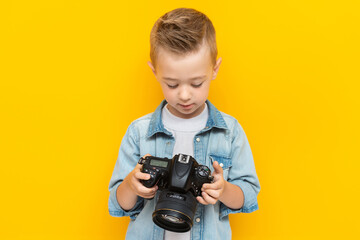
<point>127,159</point>
<point>242,173</point>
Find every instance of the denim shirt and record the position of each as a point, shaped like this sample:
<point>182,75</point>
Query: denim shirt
<point>222,140</point>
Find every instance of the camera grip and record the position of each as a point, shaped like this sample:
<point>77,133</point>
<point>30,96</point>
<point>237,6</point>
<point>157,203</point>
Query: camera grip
<point>154,177</point>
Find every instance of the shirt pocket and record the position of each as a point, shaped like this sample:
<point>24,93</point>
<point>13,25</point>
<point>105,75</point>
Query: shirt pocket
<point>224,162</point>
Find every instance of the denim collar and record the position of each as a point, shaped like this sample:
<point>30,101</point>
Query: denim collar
<point>215,120</point>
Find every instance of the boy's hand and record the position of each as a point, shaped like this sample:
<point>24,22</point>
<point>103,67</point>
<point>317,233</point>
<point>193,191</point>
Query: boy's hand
<point>211,192</point>
<point>133,179</point>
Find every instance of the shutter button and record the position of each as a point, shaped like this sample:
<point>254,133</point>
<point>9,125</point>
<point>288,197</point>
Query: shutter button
<point>197,219</point>
<point>198,139</point>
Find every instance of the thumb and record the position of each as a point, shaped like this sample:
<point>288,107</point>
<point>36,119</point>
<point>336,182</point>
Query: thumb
<point>217,168</point>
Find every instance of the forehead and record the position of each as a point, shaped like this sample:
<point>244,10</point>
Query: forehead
<point>173,65</point>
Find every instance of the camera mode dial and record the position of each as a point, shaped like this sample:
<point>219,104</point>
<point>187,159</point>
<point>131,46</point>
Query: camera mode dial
<point>203,171</point>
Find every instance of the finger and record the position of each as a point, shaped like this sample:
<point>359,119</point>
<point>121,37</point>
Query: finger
<point>152,193</point>
<point>206,186</point>
<point>135,181</point>
<point>142,190</point>
<point>215,194</point>
<point>146,155</point>
<point>147,195</point>
<point>218,177</point>
<point>214,185</point>
<point>139,166</point>
<point>142,176</point>
<point>217,168</point>
<point>208,199</point>
<point>201,200</point>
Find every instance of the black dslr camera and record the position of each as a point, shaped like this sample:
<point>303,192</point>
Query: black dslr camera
<point>180,180</point>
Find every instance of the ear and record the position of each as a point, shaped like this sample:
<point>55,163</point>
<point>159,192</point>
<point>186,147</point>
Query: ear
<point>152,67</point>
<point>216,67</point>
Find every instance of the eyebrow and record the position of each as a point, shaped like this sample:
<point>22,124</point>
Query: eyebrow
<point>194,78</point>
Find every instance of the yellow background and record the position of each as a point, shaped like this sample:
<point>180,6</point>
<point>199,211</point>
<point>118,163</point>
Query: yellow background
<point>74,75</point>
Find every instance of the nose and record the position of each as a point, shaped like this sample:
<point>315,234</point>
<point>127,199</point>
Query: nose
<point>185,94</point>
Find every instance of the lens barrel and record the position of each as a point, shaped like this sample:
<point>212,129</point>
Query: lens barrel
<point>175,211</point>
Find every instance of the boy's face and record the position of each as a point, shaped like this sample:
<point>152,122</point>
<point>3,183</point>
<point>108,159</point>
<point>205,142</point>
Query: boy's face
<point>185,80</point>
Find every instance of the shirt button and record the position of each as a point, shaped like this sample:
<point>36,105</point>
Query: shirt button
<point>198,139</point>
<point>221,164</point>
<point>197,219</point>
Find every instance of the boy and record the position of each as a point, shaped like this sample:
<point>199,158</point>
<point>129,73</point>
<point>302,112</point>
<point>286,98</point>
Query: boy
<point>183,60</point>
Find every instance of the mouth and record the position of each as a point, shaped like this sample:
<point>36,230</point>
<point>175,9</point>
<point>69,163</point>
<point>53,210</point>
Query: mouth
<point>186,106</point>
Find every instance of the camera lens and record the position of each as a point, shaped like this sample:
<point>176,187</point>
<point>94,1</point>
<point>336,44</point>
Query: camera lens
<point>175,211</point>
<point>172,218</point>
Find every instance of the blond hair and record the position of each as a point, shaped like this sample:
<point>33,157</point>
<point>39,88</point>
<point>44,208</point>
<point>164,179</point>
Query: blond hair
<point>182,31</point>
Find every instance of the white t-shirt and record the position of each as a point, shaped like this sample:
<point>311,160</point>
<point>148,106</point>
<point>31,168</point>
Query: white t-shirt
<point>184,131</point>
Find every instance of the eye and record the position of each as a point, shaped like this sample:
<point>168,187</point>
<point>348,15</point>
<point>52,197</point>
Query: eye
<point>172,86</point>
<point>197,85</point>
